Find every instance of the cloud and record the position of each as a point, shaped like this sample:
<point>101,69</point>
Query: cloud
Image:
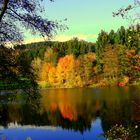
<point>34,39</point>
<point>62,38</point>
<point>87,37</point>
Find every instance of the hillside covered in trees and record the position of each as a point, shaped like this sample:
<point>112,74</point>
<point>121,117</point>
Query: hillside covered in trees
<point>61,64</point>
<point>113,60</point>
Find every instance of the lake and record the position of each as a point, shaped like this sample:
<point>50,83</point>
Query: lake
<point>68,114</point>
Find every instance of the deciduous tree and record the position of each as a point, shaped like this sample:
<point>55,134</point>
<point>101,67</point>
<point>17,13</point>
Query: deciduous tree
<point>16,14</point>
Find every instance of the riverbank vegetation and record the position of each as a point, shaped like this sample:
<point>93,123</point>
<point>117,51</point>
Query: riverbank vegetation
<point>15,18</point>
<point>113,60</point>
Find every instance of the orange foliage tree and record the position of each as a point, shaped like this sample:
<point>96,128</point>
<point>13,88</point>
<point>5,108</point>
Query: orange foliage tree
<point>65,70</point>
<point>69,71</point>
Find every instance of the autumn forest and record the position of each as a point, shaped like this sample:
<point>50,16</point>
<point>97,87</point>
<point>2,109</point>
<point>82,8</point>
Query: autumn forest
<point>114,60</point>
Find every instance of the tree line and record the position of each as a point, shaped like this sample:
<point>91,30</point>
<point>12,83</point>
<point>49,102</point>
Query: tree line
<point>113,60</point>
<point>61,64</point>
<point>118,54</point>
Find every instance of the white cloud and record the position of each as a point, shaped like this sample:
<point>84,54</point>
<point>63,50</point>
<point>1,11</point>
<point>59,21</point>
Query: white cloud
<point>62,38</point>
<point>86,37</point>
<point>34,39</point>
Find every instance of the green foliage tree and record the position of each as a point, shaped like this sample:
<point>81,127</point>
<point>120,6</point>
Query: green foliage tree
<point>50,56</point>
<point>111,37</point>
<point>118,44</point>
<point>14,72</point>
<point>14,16</point>
<point>8,66</point>
<point>102,40</point>
<point>111,63</point>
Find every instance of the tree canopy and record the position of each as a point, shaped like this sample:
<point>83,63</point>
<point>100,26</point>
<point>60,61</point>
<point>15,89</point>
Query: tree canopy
<point>16,14</point>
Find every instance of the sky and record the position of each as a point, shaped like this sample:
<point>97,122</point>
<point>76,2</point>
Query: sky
<point>85,18</point>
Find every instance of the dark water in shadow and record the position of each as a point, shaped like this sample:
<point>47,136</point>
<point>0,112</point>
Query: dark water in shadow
<point>66,114</point>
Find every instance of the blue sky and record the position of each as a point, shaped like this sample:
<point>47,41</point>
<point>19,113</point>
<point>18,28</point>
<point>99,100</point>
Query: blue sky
<point>85,18</point>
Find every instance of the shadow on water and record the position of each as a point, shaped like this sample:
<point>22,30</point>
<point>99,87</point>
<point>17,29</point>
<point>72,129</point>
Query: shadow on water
<point>18,104</point>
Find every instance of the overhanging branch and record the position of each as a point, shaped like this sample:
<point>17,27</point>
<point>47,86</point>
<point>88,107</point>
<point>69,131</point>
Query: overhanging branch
<point>4,8</point>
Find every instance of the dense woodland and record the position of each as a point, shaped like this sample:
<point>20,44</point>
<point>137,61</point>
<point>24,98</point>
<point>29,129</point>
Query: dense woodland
<point>61,64</point>
<point>113,60</point>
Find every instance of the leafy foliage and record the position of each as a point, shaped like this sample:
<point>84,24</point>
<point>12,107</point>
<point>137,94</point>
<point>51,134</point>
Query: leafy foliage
<point>119,132</point>
<point>118,50</point>
<point>14,72</point>
<point>16,14</point>
<point>74,64</point>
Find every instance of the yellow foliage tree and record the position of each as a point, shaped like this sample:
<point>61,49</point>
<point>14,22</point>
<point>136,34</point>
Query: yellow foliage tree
<point>52,76</point>
<point>36,65</point>
<point>45,71</point>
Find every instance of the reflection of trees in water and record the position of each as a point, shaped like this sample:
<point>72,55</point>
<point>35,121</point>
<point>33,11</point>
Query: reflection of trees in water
<point>4,115</point>
<point>19,106</point>
<point>27,110</point>
<point>40,117</point>
<point>121,110</point>
<point>55,118</point>
<point>28,115</point>
<point>76,110</point>
<point>72,111</point>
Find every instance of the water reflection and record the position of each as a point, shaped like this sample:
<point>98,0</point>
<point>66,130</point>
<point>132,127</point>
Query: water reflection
<point>81,114</point>
<point>52,133</point>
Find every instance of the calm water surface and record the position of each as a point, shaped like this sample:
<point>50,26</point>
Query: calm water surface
<point>68,114</point>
